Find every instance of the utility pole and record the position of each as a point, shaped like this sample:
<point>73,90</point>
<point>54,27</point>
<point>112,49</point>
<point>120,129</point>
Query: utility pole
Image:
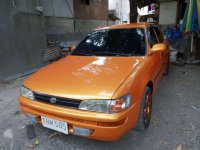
<point>133,11</point>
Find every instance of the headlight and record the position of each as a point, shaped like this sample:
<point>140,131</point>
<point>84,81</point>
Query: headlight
<point>106,106</point>
<point>95,105</point>
<point>27,93</point>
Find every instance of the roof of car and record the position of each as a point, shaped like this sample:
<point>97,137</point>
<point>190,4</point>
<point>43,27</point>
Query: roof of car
<point>131,25</point>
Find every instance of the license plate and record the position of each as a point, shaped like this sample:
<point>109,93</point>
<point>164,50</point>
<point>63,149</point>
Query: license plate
<point>54,124</point>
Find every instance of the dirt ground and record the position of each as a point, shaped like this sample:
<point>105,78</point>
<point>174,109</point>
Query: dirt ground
<point>175,119</point>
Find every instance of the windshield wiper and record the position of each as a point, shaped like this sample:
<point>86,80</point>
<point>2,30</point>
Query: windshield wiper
<point>82,54</point>
<point>111,53</point>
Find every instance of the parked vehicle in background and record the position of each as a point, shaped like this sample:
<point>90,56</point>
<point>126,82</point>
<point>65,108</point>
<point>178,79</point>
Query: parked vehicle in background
<point>104,88</point>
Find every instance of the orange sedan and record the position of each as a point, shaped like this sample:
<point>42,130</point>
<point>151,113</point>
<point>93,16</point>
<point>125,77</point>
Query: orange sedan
<point>104,88</point>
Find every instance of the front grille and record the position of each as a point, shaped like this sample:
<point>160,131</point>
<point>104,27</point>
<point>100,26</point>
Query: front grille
<point>64,102</point>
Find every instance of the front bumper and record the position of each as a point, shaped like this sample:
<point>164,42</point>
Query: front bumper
<point>106,127</point>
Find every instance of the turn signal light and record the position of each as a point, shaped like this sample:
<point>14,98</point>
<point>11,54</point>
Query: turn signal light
<point>117,105</point>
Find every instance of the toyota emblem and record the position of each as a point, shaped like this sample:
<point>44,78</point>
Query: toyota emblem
<point>53,100</point>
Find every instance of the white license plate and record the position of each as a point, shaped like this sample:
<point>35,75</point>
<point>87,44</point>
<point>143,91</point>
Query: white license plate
<point>55,124</point>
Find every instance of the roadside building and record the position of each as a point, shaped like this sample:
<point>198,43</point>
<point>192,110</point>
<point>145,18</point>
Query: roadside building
<point>120,9</point>
<point>28,27</point>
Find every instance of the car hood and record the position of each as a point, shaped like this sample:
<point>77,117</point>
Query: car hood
<point>83,77</point>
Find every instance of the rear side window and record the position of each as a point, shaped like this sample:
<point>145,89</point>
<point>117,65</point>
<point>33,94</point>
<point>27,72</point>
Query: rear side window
<point>152,37</point>
<point>159,34</point>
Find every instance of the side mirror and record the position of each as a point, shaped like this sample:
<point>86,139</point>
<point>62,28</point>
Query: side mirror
<point>157,48</point>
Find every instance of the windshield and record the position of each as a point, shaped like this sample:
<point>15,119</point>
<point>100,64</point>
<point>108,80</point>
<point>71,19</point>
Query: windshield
<point>113,42</point>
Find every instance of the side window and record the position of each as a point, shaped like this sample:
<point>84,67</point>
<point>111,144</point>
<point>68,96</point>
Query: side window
<point>159,34</point>
<point>152,37</point>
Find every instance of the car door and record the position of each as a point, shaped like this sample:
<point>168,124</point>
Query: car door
<point>165,54</point>
<point>156,58</point>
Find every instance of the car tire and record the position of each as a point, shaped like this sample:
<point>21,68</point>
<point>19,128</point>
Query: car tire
<point>145,110</point>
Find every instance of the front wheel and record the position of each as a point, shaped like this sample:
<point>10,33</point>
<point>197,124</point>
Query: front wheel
<point>145,110</point>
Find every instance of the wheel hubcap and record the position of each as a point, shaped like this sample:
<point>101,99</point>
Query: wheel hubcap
<point>147,110</point>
